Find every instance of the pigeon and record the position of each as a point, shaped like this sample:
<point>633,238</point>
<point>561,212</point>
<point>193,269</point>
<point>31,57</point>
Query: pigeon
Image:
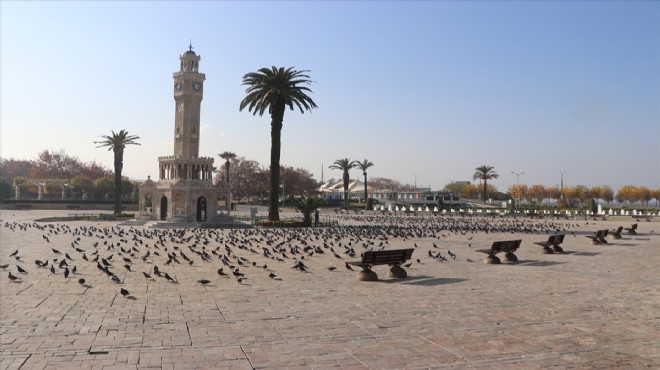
<point>56,251</point>
<point>147,276</point>
<point>20,269</point>
<point>203,281</point>
<point>348,267</point>
<point>4,267</point>
<point>13,254</point>
<point>115,279</point>
<point>221,273</point>
<point>272,275</point>
<point>81,281</point>
<point>332,268</point>
<point>66,272</point>
<point>124,292</point>
<point>12,277</point>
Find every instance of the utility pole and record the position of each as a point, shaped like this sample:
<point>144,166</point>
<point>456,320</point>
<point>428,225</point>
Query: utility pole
<point>415,176</point>
<point>561,188</point>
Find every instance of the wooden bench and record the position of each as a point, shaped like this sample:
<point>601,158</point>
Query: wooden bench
<point>632,230</point>
<point>553,241</point>
<point>507,246</point>
<point>394,258</point>
<point>616,234</point>
<point>22,206</point>
<point>599,237</point>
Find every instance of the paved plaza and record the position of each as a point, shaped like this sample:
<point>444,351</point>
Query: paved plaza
<point>596,306</point>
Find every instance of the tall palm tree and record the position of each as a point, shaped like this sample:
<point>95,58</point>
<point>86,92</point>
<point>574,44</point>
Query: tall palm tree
<point>485,173</point>
<point>363,166</point>
<point>344,165</point>
<point>227,156</point>
<point>117,142</point>
<point>275,89</point>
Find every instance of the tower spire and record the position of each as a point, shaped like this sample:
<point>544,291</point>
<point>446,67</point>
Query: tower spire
<point>190,45</point>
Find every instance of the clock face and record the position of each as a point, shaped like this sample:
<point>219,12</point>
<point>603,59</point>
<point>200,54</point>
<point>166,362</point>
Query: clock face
<point>178,86</point>
<point>197,86</point>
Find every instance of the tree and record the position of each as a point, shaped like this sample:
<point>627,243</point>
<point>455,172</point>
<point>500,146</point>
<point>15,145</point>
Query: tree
<point>363,166</point>
<point>117,143</point>
<point>83,185</point>
<point>275,89</point>
<point>227,156</point>
<point>537,192</point>
<point>485,173</point>
<point>14,167</point>
<point>307,205</point>
<point>103,187</point>
<point>608,194</point>
<point>344,165</point>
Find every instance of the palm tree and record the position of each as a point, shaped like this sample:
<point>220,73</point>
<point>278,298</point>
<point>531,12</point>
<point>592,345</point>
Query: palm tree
<point>306,206</point>
<point>227,156</point>
<point>344,165</point>
<point>485,173</point>
<point>117,142</point>
<point>275,89</point>
<point>363,166</point>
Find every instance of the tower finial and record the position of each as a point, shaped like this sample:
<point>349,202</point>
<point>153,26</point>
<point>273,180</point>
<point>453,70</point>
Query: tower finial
<point>190,45</point>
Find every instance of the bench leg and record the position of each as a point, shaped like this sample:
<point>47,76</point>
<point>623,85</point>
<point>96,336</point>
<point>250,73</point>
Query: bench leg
<point>510,257</point>
<point>557,249</point>
<point>616,236</point>
<point>595,241</point>
<point>602,240</point>
<point>492,259</point>
<point>397,271</point>
<point>367,275</point>
<point>547,250</point>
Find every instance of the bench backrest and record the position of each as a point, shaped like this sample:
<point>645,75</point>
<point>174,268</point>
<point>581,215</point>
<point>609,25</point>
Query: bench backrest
<point>556,239</point>
<point>506,246</point>
<point>387,257</point>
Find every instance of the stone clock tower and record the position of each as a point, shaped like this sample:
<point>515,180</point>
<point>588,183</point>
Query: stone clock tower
<point>184,191</point>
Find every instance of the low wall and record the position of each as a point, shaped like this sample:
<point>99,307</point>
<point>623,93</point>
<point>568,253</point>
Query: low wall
<point>57,205</point>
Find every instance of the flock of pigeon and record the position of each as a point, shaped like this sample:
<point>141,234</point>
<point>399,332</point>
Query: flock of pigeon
<point>124,254</point>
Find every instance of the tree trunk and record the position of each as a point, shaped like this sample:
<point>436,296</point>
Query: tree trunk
<point>119,163</point>
<point>346,180</point>
<point>485,182</point>
<point>366,195</point>
<point>275,136</point>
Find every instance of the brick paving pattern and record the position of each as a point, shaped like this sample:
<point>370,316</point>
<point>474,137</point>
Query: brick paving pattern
<point>593,307</point>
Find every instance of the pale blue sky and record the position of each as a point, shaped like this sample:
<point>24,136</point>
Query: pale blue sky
<point>432,89</point>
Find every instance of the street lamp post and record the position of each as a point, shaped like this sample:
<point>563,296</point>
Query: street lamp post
<point>561,189</point>
<point>518,181</point>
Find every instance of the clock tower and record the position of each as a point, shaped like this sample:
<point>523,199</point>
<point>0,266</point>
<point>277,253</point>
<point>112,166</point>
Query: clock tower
<point>185,191</point>
<point>188,91</point>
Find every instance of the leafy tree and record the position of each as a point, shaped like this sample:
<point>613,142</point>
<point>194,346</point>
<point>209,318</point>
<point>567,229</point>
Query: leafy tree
<point>5,189</point>
<point>275,89</point>
<point>537,193</point>
<point>363,166</point>
<point>227,156</point>
<point>485,173</point>
<point>386,184</point>
<point>344,165</point>
<point>518,191</point>
<point>14,167</point>
<point>306,206</point>
<point>298,181</point>
<point>83,185</point>
<point>103,187</point>
<point>117,143</point>
<point>607,194</point>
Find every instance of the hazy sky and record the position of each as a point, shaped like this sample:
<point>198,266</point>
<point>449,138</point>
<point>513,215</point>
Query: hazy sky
<point>425,90</point>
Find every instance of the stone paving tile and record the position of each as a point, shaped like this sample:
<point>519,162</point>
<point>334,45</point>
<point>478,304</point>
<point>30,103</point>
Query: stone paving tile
<point>593,308</point>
